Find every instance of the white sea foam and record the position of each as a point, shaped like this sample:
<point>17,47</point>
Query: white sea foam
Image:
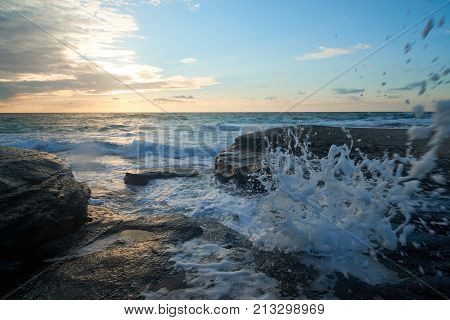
<point>335,208</point>
<point>214,272</point>
<point>439,130</point>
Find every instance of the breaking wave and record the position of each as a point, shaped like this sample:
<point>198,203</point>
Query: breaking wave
<point>130,150</point>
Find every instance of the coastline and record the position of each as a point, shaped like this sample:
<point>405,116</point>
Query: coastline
<point>115,255</point>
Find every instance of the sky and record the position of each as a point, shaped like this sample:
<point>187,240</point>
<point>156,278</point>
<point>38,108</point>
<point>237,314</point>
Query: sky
<point>223,55</point>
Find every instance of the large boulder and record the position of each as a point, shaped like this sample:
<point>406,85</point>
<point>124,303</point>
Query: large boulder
<point>39,200</point>
<point>241,162</point>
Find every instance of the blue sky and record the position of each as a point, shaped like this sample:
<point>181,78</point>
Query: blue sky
<point>247,56</point>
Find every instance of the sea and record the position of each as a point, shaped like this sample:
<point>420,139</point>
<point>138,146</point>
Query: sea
<point>101,148</point>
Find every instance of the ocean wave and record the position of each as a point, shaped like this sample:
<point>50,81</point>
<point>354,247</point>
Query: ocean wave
<point>40,145</point>
<point>373,123</point>
<point>130,150</point>
<point>167,151</point>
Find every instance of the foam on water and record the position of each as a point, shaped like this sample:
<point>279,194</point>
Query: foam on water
<point>214,272</point>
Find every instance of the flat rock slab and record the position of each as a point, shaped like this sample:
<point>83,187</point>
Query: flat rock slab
<point>40,200</point>
<point>111,257</point>
<point>143,177</point>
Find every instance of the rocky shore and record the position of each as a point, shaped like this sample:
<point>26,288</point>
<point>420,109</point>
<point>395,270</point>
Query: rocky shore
<point>54,245</point>
<point>111,257</point>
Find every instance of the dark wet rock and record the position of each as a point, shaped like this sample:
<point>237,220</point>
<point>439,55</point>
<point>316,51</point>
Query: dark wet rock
<point>413,287</point>
<point>118,256</point>
<point>111,257</point>
<point>40,200</point>
<point>144,176</point>
<point>241,162</point>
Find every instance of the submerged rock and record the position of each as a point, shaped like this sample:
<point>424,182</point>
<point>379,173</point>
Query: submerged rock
<point>40,200</point>
<point>144,176</point>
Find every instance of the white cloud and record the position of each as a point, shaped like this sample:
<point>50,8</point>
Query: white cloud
<point>192,5</point>
<point>32,62</point>
<point>188,60</point>
<point>327,53</point>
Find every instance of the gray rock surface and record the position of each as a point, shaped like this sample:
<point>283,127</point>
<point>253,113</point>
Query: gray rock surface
<point>39,200</point>
<point>144,176</point>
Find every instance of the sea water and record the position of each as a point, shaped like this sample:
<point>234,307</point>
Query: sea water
<point>336,215</point>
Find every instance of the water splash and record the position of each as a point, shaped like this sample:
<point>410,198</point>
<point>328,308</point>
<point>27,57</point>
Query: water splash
<point>345,208</point>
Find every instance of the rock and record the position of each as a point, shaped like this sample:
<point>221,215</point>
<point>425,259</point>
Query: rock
<point>111,257</point>
<point>116,256</point>
<point>143,177</point>
<point>39,200</point>
<point>241,162</point>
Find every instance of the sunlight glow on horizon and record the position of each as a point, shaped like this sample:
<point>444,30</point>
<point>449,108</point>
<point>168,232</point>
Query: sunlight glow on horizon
<point>186,57</point>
